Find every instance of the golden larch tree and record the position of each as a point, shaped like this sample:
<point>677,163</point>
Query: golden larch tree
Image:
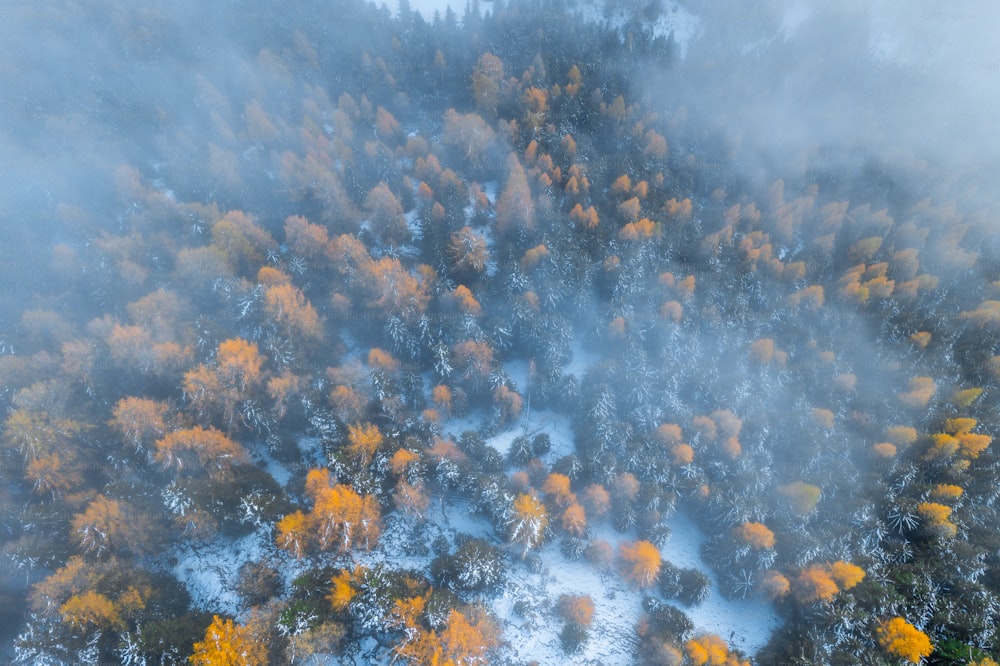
<point>228,644</point>
<point>901,639</point>
<point>640,562</point>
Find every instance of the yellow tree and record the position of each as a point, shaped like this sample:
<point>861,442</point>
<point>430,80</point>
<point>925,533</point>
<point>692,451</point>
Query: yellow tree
<point>528,522</point>
<point>386,215</point>
<point>139,421</point>
<point>515,208</point>
<point>91,610</point>
<point>901,639</point>
<point>814,584</point>
<point>756,535</point>
<point>228,644</point>
<point>468,251</point>
<point>640,562</point>
<point>341,519</point>
<point>101,527</point>
<point>292,312</point>
<point>199,448</point>
<point>363,440</point>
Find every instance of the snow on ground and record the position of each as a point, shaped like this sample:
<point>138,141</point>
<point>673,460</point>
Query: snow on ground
<point>745,624</point>
<point>209,571</point>
<point>530,620</point>
<point>278,470</point>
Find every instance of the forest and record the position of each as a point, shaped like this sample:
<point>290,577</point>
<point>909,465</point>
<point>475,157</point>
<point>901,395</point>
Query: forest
<point>337,333</point>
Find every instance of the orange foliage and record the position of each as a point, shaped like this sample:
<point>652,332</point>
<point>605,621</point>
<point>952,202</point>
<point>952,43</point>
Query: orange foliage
<point>363,440</point>
<point>411,499</point>
<point>762,351</point>
<point>468,250</point>
<point>349,403</point>
<point>533,256</point>
<point>577,609</point>
<point>682,454</point>
<point>901,435</point>
<point>281,388</point>
<point>401,461</point>
<point>239,363</point>
<point>680,209</point>
<point>101,527</point>
<point>946,491</point>
<point>227,643</point>
<point>304,239</point>
<point>846,574</point>
<point>919,392</point>
<point>556,486</point>
<point>91,610</point>
<point>342,519</point>
<point>380,359</point>
<point>293,534</point>
<point>622,184</point>
<point>528,522</point>
<point>629,211</point>
<point>901,639</point>
<point>822,418</point>
<point>597,500</point>
<point>775,585</point>
<point>288,307</point>
<point>757,535</point>
<point>342,589</point>
<point>803,496</point>
<point>884,450</point>
<point>515,207</point>
<point>640,562</point>
<point>711,650</point>
<point>574,520</point>
<point>814,584</point>
<point>197,447</point>
<point>639,230</point>
<point>585,217</point>
<point>473,359</point>
<point>139,420</point>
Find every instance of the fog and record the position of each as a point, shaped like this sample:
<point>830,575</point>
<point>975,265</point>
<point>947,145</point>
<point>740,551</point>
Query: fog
<point>803,84</point>
<point>742,275</point>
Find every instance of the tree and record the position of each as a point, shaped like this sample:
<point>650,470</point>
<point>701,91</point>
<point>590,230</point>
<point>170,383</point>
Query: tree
<point>228,644</point>
<point>775,585</point>
<point>139,421</point>
<point>340,519</point>
<point>291,311</point>
<point>466,638</point>
<point>363,440</point>
<point>468,251</point>
<point>304,239</point>
<point>802,496</point>
<point>469,134</point>
<point>101,527</point>
<point>244,244</point>
<point>198,449</point>
<point>756,535</point>
<point>486,81</point>
<point>528,522</point>
<point>220,387</point>
<point>91,610</point>
<point>386,215</point>
<point>640,562</point>
<point>515,208</point>
<point>293,534</point>
<point>901,639</point>
<point>578,609</point>
<point>814,584</point>
<point>711,650</point>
